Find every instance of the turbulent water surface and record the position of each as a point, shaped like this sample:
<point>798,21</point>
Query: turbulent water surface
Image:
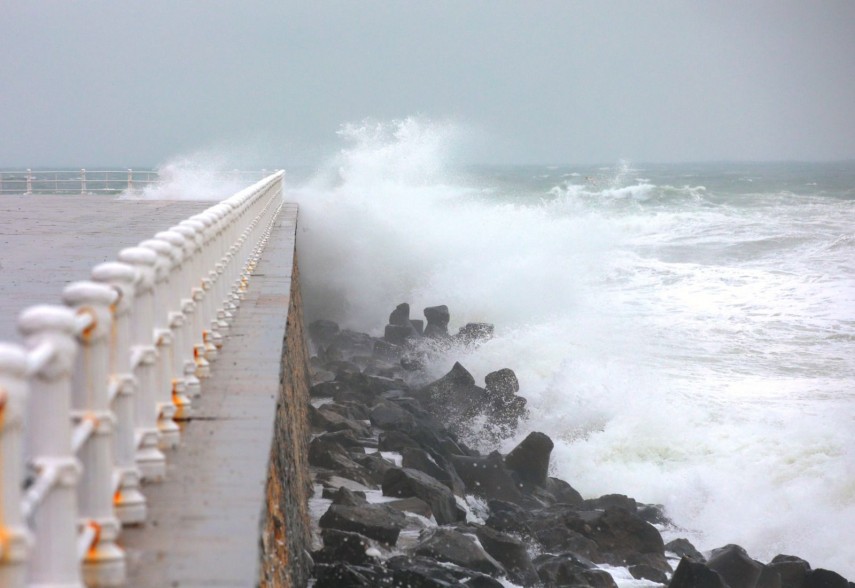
<point>685,333</point>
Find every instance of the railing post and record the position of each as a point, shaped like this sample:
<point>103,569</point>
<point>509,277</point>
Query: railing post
<point>170,434</point>
<point>130,180</point>
<point>29,181</point>
<point>202,290</point>
<point>129,502</point>
<point>83,181</point>
<point>104,562</point>
<point>13,399</point>
<point>49,334</point>
<point>194,239</point>
<point>151,461</point>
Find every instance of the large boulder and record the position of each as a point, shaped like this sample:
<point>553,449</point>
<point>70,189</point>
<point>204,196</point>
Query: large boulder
<point>454,547</point>
<point>345,575</point>
<point>735,566</point>
<point>401,315</point>
<point>488,477</point>
<point>571,570</point>
<point>322,332</point>
<point>792,570</point>
<point>348,547</point>
<point>511,553</point>
<point>371,520</point>
<point>530,459</point>
<point>405,482</point>
<point>691,573</point>
<point>502,383</point>
<point>820,578</point>
<point>437,322</point>
<point>436,466</point>
<point>390,416</point>
<point>424,572</point>
<point>454,398</point>
<point>683,547</point>
<point>475,332</point>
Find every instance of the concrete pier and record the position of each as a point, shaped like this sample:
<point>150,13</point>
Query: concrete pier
<point>223,502</point>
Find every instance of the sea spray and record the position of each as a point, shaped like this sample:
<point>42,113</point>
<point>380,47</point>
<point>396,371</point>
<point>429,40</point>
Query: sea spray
<point>683,339</point>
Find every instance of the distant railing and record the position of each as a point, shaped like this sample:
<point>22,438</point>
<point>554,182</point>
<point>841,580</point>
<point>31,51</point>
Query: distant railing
<point>83,181</point>
<point>89,403</point>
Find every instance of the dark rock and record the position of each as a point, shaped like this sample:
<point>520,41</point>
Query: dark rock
<point>435,332</point>
<point>401,315</point>
<point>563,492</point>
<point>454,547</point>
<point>735,566</point>
<point>348,344</point>
<point>653,514</point>
<point>683,547</point>
<point>769,578</point>
<point>399,334</point>
<point>612,501</point>
<point>820,578</point>
<point>407,482</point>
<point>344,575</point>
<point>568,569</point>
<point>423,572</point>
<point>454,399</point>
<point>347,497</point>
<point>345,546</point>
<point>386,351</point>
<point>556,537</point>
<point>325,389</point>
<point>375,464</point>
<point>372,520</point>
<point>419,326</point>
<point>511,553</point>
<point>396,441</point>
<point>621,536</point>
<point>322,332</point>
<point>411,504</point>
<point>488,477</point>
<point>413,363</point>
<point>508,517</point>
<point>328,419</point>
<point>437,316</point>
<point>502,383</point>
<point>334,457</point>
<point>389,416</point>
<point>474,332</point>
<point>694,574</point>
<point>646,572</point>
<point>530,459</point>
<point>436,466</point>
<point>345,439</point>
<point>792,570</point>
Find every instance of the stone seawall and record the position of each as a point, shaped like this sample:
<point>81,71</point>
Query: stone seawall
<point>286,534</point>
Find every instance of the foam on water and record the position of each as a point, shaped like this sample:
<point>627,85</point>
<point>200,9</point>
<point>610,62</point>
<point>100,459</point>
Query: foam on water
<point>682,342</point>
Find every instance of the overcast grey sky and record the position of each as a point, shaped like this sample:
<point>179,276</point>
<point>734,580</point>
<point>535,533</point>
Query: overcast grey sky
<point>134,83</point>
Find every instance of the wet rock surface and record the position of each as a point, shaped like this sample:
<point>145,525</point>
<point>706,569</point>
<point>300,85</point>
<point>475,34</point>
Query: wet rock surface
<point>409,503</point>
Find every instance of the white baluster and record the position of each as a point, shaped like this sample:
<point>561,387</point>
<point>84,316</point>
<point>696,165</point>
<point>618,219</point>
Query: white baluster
<point>49,333</point>
<point>104,562</point>
<point>144,356</point>
<point>13,399</point>
<point>166,388</point>
<point>129,502</point>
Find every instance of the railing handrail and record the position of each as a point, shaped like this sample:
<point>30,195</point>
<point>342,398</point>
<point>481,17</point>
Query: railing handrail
<point>81,180</point>
<point>97,422</point>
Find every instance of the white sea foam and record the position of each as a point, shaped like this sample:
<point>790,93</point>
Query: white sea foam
<point>679,345</point>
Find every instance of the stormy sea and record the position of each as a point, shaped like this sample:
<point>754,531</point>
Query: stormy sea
<point>685,333</point>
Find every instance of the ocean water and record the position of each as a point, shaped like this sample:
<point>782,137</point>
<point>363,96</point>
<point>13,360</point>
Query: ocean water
<point>684,333</point>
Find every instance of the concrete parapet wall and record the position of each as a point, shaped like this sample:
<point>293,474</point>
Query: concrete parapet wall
<point>286,534</point>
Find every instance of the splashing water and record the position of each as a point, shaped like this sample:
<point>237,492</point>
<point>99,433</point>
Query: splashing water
<point>684,334</point>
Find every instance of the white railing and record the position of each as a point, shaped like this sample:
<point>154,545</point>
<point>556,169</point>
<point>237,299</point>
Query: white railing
<point>83,181</point>
<point>88,405</point>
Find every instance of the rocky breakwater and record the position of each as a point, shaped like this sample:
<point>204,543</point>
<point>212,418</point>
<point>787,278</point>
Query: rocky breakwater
<point>402,500</point>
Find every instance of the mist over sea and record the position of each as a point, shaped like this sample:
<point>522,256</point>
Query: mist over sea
<point>684,333</point>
